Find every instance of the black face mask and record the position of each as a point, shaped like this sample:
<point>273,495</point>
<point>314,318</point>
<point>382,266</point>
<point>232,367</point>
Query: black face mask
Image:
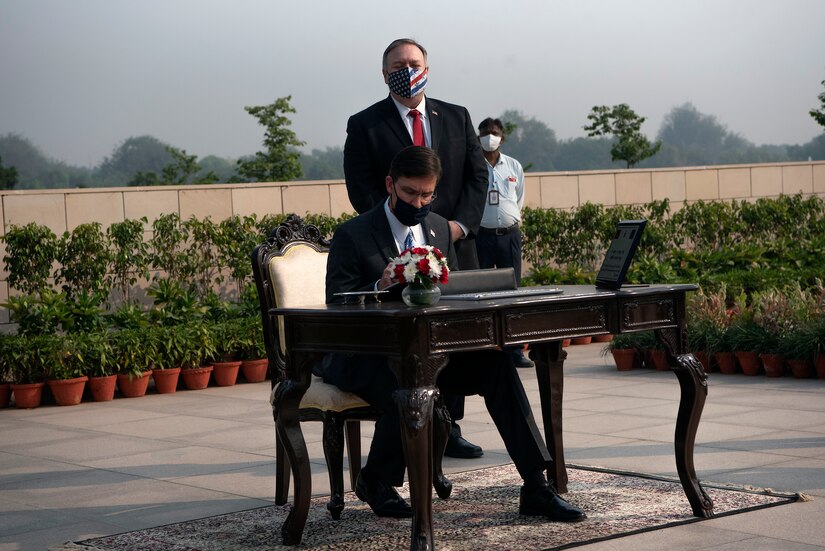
<point>408,214</point>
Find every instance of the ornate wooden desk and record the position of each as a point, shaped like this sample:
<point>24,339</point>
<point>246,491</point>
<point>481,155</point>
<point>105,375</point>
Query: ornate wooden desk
<point>418,341</point>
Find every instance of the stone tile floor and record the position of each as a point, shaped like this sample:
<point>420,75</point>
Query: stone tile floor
<point>103,468</point>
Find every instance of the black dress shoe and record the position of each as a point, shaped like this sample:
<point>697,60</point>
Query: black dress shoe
<point>542,501</point>
<point>460,448</point>
<point>381,497</point>
<point>520,360</point>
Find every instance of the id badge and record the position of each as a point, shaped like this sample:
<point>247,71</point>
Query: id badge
<point>492,197</point>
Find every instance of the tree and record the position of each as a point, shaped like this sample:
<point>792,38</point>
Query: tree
<point>530,141</point>
<point>35,169</point>
<point>180,171</point>
<point>631,146</point>
<point>819,114</point>
<point>280,161</point>
<point>136,154</point>
<point>8,176</point>
<point>323,164</point>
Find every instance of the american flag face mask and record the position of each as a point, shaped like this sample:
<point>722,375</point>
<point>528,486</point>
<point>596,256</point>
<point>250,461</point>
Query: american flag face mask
<point>407,82</point>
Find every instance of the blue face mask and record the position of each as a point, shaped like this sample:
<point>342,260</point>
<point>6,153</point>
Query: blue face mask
<point>407,82</point>
<point>408,214</point>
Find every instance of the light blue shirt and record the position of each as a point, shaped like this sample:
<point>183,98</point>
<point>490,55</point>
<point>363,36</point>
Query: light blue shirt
<point>506,178</point>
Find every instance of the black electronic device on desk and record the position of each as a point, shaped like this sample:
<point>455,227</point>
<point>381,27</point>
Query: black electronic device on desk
<point>620,254</point>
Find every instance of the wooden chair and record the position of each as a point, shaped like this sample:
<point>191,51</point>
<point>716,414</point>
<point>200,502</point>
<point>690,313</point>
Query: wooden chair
<point>290,270</point>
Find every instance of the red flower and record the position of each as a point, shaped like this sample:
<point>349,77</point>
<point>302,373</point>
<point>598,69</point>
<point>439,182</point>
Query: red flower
<point>424,266</point>
<point>398,273</point>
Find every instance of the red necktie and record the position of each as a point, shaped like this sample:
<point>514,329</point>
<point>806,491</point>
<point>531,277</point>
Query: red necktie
<point>418,128</point>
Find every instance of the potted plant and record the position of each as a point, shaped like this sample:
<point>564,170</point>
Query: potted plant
<point>798,347</point>
<point>624,351</point>
<point>254,363</point>
<point>818,329</point>
<point>166,363</point>
<point>818,336</point>
<point>66,377</point>
<point>771,315</point>
<point>133,354</point>
<point>5,372</point>
<point>95,353</point>
<point>27,359</point>
<point>228,337</point>
<point>707,319</point>
<point>746,337</point>
<point>194,345</point>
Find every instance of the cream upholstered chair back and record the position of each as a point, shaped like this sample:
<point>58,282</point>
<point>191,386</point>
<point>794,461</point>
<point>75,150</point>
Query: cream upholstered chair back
<point>298,278</point>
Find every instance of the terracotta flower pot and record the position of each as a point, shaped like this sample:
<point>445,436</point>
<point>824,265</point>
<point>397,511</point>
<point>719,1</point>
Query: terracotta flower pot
<point>625,358</point>
<point>658,359</point>
<point>819,364</point>
<point>581,340</point>
<point>254,371</point>
<point>196,378</point>
<point>166,380</point>
<point>607,337</point>
<point>133,386</point>
<point>5,395</point>
<point>801,369</point>
<point>704,359</point>
<point>103,388</point>
<point>749,362</point>
<point>726,362</point>
<point>28,396</point>
<point>226,373</point>
<point>774,364</point>
<point>68,392</point>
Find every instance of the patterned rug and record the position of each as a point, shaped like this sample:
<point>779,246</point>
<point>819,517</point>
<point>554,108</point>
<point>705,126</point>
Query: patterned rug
<point>481,514</point>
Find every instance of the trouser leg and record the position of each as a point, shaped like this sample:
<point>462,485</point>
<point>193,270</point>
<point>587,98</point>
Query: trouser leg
<point>492,375</point>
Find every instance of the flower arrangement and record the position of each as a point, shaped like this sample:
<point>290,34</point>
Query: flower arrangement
<point>425,265</point>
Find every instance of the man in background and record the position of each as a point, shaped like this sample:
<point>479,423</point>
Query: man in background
<point>498,242</point>
<point>408,117</point>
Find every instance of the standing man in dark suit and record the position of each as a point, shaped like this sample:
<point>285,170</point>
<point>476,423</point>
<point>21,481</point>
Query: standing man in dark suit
<point>408,117</point>
<point>359,259</point>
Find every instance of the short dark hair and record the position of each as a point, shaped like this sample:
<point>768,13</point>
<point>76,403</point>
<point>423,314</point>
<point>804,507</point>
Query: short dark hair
<point>490,122</point>
<point>415,161</point>
<point>398,42</point>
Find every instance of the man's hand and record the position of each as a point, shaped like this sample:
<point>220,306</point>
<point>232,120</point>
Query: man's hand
<point>456,232</point>
<point>386,278</point>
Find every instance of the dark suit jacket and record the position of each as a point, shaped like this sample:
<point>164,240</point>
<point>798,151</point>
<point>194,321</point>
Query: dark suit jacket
<point>377,134</point>
<point>363,246</point>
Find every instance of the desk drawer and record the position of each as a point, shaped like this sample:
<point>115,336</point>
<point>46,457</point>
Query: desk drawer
<point>638,315</point>
<point>462,333</point>
<point>560,323</point>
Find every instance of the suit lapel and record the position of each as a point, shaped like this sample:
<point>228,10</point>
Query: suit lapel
<point>432,237</point>
<point>393,119</point>
<point>383,234</point>
<point>436,127</point>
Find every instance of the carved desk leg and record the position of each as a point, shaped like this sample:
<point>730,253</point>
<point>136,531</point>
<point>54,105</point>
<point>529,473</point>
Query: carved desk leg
<point>416,401</point>
<point>416,411</point>
<point>549,358</point>
<point>287,400</point>
<point>693,383</point>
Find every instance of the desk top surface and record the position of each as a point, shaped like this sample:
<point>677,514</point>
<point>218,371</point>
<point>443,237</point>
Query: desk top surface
<point>569,293</point>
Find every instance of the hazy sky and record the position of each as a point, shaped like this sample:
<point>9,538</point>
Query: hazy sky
<point>78,77</point>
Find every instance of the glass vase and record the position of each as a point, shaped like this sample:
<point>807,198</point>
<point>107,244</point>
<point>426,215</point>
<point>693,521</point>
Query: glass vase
<point>416,294</point>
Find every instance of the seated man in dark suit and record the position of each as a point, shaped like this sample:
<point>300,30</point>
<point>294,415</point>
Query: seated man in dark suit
<point>359,260</point>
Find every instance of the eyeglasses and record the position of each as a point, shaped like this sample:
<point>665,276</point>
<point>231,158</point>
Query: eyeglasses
<point>426,197</point>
